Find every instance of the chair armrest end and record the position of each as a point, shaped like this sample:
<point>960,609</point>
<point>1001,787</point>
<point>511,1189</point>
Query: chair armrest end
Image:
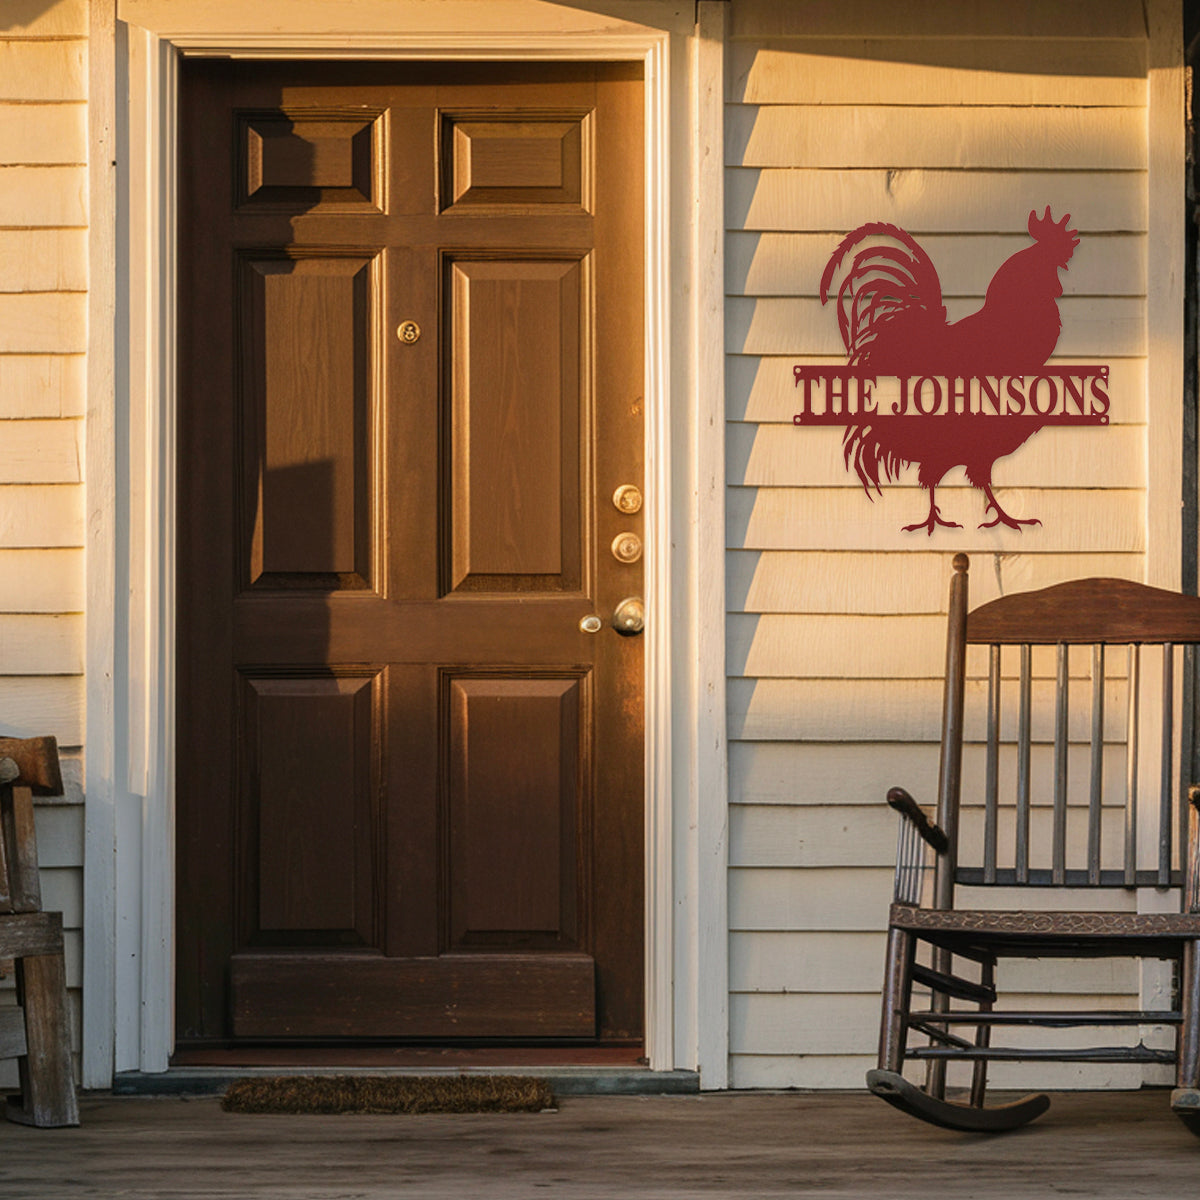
<point>907,807</point>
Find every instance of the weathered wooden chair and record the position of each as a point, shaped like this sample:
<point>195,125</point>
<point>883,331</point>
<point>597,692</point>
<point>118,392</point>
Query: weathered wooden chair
<point>36,1032</point>
<point>1131,828</point>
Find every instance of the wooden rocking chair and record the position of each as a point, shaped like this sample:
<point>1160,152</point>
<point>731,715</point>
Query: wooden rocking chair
<point>1149,839</point>
<point>36,1033</point>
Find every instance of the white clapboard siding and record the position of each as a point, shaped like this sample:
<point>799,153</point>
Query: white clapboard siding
<point>777,835</point>
<point>912,581</point>
<point>791,772</point>
<point>41,515</point>
<point>41,644</point>
<point>41,581</point>
<point>43,322</point>
<point>861,135</point>
<point>860,773</point>
<point>939,70</point>
<point>853,963</point>
<point>1058,456</point>
<point>894,709</point>
<point>830,646</point>
<point>782,1023</point>
<point>834,898</point>
<point>41,451</point>
<point>33,706</point>
<point>791,264</point>
<point>62,891</point>
<point>763,19</point>
<point>776,1072</point>
<point>43,133</point>
<point>814,518</point>
<point>815,898</point>
<point>59,834</point>
<point>43,197</point>
<point>43,260</point>
<point>857,835</point>
<point>763,388</point>
<point>43,19</point>
<point>42,385</point>
<point>931,201</point>
<point>800,325</point>
<point>43,70</point>
<point>761,1023</point>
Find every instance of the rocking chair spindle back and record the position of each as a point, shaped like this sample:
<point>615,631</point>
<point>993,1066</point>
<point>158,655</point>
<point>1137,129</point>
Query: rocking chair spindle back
<point>1023,825</point>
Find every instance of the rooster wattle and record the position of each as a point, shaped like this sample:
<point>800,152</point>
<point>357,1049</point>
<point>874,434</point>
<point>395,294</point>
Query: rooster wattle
<point>893,322</point>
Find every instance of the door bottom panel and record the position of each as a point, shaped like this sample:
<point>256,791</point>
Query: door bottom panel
<point>451,996</point>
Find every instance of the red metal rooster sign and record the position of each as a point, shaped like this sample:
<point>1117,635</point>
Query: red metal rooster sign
<point>921,390</point>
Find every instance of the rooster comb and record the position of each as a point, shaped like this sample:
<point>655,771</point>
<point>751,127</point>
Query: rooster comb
<point>1046,229</point>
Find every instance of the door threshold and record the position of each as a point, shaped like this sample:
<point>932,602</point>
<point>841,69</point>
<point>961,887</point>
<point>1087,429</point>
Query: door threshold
<point>566,1079</point>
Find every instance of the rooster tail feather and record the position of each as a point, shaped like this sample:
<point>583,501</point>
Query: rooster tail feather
<point>880,282</point>
<point>871,460</point>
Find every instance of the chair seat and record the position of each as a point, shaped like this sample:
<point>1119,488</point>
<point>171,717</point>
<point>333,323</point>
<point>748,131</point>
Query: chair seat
<point>1051,934</point>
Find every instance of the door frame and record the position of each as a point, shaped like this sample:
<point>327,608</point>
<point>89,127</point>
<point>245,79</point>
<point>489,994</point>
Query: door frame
<point>129,838</point>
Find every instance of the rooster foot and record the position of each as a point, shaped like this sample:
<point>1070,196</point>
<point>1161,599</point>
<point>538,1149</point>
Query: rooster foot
<point>932,521</point>
<point>1001,517</point>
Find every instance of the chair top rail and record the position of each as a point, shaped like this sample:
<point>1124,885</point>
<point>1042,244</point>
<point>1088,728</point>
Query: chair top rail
<point>1111,611</point>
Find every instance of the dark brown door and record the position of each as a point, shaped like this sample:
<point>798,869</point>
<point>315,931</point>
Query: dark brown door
<point>410,785</point>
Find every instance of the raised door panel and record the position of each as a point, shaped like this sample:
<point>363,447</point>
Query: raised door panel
<point>516,160</point>
<point>310,160</point>
<point>517,809</point>
<point>517,406</point>
<point>308,859</point>
<point>306,385</point>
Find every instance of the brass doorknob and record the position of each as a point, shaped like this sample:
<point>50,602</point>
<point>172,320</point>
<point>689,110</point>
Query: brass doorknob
<point>629,617</point>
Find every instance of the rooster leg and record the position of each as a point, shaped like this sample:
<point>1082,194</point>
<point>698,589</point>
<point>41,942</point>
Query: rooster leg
<point>933,520</point>
<point>1001,517</point>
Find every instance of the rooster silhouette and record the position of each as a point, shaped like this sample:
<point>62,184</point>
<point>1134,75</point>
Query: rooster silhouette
<point>893,322</point>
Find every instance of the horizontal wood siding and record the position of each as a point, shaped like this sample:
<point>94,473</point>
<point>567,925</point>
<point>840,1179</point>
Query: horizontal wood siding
<point>951,120</point>
<point>43,343</point>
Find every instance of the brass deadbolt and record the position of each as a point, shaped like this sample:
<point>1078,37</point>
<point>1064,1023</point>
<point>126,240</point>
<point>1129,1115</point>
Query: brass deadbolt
<point>627,547</point>
<point>408,332</point>
<point>628,498</point>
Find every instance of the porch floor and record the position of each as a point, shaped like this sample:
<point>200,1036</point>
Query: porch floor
<point>1114,1144</point>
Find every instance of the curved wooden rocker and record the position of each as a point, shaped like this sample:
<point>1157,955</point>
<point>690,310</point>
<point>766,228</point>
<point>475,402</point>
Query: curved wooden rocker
<point>909,1098</point>
<point>940,973</point>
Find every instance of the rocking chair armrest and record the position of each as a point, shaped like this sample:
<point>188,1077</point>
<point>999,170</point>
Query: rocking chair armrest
<point>904,804</point>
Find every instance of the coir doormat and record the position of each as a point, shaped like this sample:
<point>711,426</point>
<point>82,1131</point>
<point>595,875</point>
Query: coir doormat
<point>388,1094</point>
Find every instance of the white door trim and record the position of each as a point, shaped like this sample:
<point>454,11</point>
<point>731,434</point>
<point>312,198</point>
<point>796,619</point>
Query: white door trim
<point>129,990</point>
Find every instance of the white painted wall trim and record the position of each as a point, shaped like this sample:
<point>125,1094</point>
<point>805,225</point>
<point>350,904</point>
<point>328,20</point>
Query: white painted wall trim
<point>708,786</point>
<point>683,1030</point>
<point>1165,272</point>
<point>1165,268</point>
<point>99,910</point>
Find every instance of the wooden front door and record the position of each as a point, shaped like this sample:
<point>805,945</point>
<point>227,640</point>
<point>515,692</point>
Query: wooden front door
<point>410,784</point>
